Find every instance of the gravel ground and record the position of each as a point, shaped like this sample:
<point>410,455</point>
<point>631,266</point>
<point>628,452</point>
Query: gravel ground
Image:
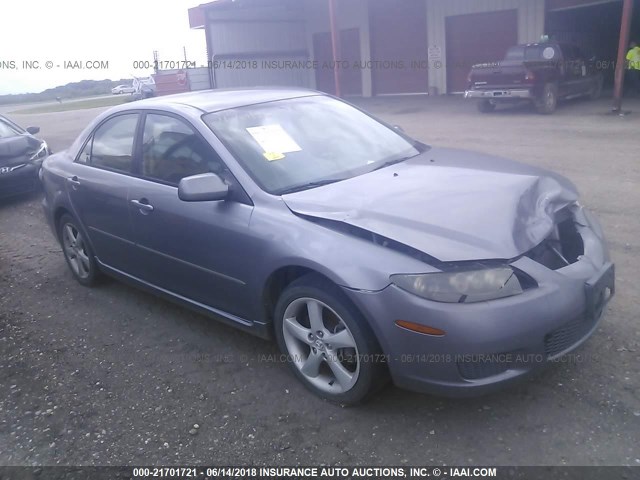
<point>114,376</point>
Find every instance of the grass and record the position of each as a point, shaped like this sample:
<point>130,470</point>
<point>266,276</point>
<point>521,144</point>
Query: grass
<point>68,105</point>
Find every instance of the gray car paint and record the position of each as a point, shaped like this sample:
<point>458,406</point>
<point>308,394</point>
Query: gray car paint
<point>451,205</point>
<point>220,257</point>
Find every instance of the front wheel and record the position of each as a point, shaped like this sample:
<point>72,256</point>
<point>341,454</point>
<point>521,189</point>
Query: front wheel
<point>328,345</point>
<point>77,251</point>
<point>548,101</point>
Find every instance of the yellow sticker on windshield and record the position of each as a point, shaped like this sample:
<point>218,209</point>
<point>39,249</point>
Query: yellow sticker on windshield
<point>273,156</point>
<point>274,138</point>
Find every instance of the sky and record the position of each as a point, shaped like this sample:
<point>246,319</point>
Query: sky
<point>115,37</point>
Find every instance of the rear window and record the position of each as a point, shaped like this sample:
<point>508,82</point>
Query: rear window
<point>533,52</point>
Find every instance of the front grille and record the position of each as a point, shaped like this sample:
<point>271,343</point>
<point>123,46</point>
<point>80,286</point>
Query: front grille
<point>562,338</point>
<point>475,368</point>
<point>567,335</point>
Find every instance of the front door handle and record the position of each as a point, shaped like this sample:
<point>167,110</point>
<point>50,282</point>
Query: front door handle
<point>143,205</point>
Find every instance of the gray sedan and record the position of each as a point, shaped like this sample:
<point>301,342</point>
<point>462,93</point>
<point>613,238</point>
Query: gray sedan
<point>366,254</point>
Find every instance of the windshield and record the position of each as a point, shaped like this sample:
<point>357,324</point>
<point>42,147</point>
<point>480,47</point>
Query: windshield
<point>301,143</point>
<point>7,129</point>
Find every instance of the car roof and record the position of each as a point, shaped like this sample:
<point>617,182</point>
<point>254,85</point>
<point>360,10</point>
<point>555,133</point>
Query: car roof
<point>208,101</point>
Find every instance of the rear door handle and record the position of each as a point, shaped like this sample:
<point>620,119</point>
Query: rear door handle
<point>143,205</point>
<point>74,181</point>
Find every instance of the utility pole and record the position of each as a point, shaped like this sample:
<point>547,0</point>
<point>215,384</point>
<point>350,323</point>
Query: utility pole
<point>623,46</point>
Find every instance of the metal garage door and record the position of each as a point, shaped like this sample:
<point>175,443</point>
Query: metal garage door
<point>350,74</point>
<point>477,38</point>
<point>244,52</point>
<point>398,33</point>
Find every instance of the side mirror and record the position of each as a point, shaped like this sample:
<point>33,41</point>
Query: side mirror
<point>207,187</point>
<point>33,130</point>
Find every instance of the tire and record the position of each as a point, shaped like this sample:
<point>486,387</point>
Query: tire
<point>548,101</point>
<point>77,251</point>
<point>339,358</point>
<point>596,93</point>
<point>486,106</point>
<point>38,186</point>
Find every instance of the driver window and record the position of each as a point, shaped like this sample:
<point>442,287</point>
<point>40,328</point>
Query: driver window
<point>112,144</point>
<point>171,151</point>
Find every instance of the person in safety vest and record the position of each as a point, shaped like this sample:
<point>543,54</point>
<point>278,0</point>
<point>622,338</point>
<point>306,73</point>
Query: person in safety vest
<point>633,66</point>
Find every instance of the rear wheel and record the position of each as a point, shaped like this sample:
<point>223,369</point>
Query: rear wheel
<point>486,106</point>
<point>548,101</point>
<point>328,345</point>
<point>77,251</point>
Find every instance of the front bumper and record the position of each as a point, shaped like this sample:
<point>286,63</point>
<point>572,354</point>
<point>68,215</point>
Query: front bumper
<point>488,345</point>
<point>500,94</point>
<point>19,181</point>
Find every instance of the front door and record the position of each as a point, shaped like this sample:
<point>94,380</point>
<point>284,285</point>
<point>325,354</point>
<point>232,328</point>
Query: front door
<point>190,249</point>
<point>576,80</point>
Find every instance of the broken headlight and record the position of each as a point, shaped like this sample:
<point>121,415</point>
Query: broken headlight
<point>43,151</point>
<point>469,286</point>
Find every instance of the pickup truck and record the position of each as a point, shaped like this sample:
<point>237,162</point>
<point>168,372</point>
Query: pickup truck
<point>540,73</point>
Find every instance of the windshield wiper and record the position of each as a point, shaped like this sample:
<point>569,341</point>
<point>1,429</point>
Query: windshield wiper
<point>391,162</point>
<point>421,147</point>
<point>310,185</point>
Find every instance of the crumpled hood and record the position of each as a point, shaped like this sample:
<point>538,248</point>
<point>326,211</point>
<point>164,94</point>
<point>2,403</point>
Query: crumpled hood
<point>452,205</point>
<point>16,149</point>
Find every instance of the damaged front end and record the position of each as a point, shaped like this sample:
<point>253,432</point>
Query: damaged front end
<point>511,271</point>
<point>21,157</point>
<point>576,245</point>
<point>564,246</point>
<point>575,253</point>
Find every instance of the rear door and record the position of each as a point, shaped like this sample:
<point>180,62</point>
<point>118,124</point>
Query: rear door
<point>196,250</point>
<point>98,183</point>
<point>584,72</point>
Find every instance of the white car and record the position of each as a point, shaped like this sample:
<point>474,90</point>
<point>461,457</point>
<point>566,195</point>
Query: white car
<point>122,89</point>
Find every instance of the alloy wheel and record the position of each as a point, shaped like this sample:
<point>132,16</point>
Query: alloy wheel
<point>76,251</point>
<point>321,345</point>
